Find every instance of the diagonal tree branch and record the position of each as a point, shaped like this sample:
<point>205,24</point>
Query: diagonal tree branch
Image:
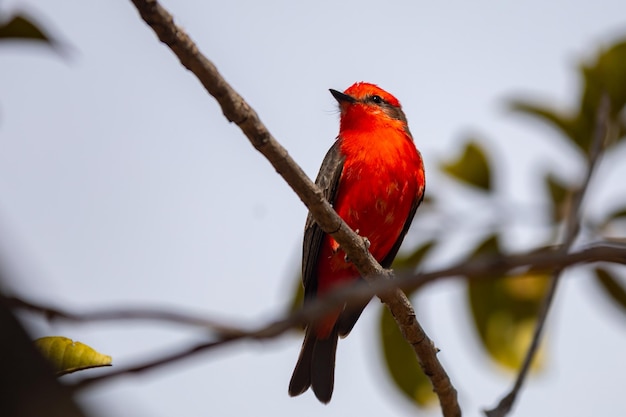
<point>238,111</point>
<point>571,228</point>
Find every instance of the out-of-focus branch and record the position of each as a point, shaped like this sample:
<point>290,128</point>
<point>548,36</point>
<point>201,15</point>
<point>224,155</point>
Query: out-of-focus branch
<point>238,111</point>
<point>116,314</point>
<point>571,228</point>
<point>541,259</point>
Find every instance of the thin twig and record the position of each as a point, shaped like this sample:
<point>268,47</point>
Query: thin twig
<point>541,259</point>
<point>571,229</point>
<point>121,313</point>
<point>238,111</point>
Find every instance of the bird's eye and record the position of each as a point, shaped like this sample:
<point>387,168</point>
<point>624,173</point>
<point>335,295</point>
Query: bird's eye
<point>377,99</point>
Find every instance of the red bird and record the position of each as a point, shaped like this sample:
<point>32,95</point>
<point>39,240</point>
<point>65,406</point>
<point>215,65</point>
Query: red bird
<point>374,177</point>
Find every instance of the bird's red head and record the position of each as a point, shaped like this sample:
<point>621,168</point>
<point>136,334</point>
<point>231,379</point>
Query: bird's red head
<point>363,91</point>
<point>367,106</point>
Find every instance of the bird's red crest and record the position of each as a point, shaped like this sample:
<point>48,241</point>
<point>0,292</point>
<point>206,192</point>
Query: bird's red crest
<point>361,90</point>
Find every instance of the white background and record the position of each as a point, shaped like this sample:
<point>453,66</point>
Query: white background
<point>122,184</point>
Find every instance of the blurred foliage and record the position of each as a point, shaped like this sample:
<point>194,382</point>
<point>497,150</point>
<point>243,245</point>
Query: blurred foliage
<point>612,287</point>
<point>21,27</point>
<point>559,197</point>
<point>472,167</point>
<point>618,214</point>
<point>605,75</point>
<point>504,309</point>
<point>67,356</point>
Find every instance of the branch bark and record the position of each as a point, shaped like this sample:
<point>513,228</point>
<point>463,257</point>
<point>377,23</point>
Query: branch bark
<point>238,111</point>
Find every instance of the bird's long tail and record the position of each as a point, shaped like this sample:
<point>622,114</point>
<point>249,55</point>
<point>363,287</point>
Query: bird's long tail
<point>316,366</point>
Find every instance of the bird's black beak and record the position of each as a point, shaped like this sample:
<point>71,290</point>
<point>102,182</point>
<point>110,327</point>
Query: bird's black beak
<point>341,97</point>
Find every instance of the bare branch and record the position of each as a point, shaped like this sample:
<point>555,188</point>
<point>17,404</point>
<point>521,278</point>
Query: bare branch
<point>537,260</point>
<point>541,259</point>
<point>116,314</point>
<point>572,227</point>
<point>238,111</point>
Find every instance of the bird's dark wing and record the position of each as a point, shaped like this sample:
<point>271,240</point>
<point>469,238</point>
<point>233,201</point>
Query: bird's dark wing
<point>328,181</point>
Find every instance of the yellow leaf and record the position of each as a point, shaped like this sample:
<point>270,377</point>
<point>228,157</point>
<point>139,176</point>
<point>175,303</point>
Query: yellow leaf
<point>67,356</point>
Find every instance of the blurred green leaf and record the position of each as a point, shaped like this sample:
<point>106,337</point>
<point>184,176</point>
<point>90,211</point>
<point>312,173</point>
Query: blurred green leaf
<point>20,27</point>
<point>472,167</point>
<point>566,124</point>
<point>606,74</point>
<point>402,363</point>
<point>618,214</point>
<point>413,259</point>
<point>559,194</point>
<point>612,287</point>
<point>505,310</point>
<point>67,356</point>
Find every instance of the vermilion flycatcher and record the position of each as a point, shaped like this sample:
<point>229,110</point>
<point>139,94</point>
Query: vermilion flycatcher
<point>374,177</point>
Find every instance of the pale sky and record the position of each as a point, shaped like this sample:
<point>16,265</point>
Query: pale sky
<point>121,183</point>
